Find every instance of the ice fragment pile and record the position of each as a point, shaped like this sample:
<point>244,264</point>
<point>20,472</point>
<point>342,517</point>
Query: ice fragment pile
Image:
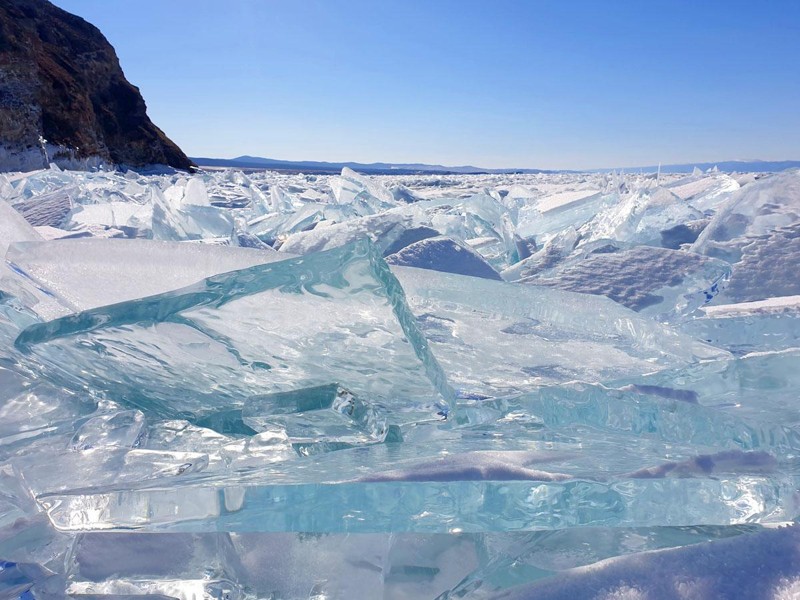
<point>261,385</point>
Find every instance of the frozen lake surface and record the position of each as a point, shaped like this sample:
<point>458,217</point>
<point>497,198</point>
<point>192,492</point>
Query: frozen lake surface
<point>473,386</point>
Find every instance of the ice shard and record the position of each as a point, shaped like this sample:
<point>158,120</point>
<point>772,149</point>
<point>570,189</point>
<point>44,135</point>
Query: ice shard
<point>757,231</point>
<point>494,337</point>
<point>336,316</point>
<point>749,327</point>
<point>640,218</point>
<point>316,419</point>
<point>14,228</point>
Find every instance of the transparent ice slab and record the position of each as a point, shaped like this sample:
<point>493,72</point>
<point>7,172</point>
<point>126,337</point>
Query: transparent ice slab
<point>773,324</point>
<point>760,564</point>
<point>333,317</point>
<point>494,337</point>
<point>383,229</point>
<point>391,566</point>
<point>544,225</point>
<point>48,209</point>
<point>14,228</point>
<point>318,416</point>
<point>432,507</point>
<point>364,194</point>
<point>761,387</point>
<point>136,219</point>
<point>640,218</point>
<point>280,565</point>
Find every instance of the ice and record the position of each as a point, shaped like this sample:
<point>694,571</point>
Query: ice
<point>365,195</point>
<point>293,418</point>
<point>757,231</point>
<point>747,327</point>
<point>474,466</point>
<point>494,337</point>
<point>122,428</point>
<point>383,230</point>
<point>443,254</point>
<point>759,386</point>
<point>136,219</point>
<point>728,461</point>
<point>14,228</point>
<point>48,209</point>
<point>337,316</point>
<point>640,218</point>
<point>316,417</point>
<point>545,223</point>
<point>556,250</point>
<point>705,193</point>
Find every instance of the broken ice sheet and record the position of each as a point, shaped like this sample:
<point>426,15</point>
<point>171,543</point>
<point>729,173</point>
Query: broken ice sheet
<point>338,316</point>
<point>547,223</point>
<point>497,338</point>
<point>14,228</point>
<point>640,218</point>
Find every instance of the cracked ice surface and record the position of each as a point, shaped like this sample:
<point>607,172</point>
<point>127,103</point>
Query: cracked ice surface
<point>265,385</point>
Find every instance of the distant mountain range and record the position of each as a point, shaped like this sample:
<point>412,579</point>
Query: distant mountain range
<point>308,166</point>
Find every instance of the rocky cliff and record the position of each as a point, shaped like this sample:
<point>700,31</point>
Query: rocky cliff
<point>65,99</point>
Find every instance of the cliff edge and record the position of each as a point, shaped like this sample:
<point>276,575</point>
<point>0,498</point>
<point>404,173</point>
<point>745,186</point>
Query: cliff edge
<point>65,99</point>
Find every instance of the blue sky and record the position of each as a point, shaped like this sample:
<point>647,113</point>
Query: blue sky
<point>557,84</point>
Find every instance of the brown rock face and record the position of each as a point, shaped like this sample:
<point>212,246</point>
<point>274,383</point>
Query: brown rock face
<point>60,79</point>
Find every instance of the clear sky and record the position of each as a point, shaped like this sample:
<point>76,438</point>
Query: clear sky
<point>526,83</point>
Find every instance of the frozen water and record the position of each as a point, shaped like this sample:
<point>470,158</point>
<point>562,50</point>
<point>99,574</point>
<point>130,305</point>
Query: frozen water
<point>495,338</point>
<point>757,231</point>
<point>293,418</point>
<point>337,316</point>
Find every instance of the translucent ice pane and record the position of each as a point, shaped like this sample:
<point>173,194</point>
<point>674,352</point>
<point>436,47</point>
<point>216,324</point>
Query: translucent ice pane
<point>760,387</point>
<point>544,225</point>
<point>758,231</point>
<point>326,414</point>
<point>333,316</point>
<point>494,337</point>
<point>640,218</point>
